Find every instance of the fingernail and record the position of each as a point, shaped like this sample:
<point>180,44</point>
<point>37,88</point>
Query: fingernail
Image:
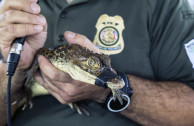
<point>39,58</point>
<point>34,7</point>
<point>70,35</point>
<point>41,19</point>
<point>38,28</point>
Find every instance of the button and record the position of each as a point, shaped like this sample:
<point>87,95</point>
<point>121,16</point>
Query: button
<point>63,15</point>
<point>60,38</point>
<point>69,1</point>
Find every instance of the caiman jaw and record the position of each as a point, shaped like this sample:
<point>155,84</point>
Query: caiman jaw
<point>111,80</point>
<point>116,83</point>
<point>108,78</point>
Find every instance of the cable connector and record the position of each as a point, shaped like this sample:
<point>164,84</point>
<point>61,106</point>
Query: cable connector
<point>14,55</point>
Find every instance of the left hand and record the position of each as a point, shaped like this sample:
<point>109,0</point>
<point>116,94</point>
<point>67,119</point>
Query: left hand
<point>61,85</point>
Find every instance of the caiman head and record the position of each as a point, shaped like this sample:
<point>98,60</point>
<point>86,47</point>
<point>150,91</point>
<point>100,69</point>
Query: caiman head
<point>84,65</point>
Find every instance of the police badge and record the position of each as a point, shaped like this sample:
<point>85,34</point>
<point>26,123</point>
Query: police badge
<point>109,37</point>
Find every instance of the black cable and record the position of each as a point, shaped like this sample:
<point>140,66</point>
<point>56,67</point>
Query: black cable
<point>12,62</point>
<point>8,100</point>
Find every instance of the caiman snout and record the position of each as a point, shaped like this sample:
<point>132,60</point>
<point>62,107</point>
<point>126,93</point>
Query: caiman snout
<point>116,83</point>
<point>109,79</point>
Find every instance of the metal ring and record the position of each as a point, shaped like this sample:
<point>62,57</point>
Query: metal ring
<point>118,107</point>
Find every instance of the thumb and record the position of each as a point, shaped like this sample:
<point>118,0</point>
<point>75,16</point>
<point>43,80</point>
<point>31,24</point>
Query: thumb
<point>74,38</point>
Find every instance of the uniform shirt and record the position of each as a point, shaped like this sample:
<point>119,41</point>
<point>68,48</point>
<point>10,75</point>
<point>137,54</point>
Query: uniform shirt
<point>158,45</point>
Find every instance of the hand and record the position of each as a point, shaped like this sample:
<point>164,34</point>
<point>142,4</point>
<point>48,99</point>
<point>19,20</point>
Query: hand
<point>18,19</point>
<point>61,85</point>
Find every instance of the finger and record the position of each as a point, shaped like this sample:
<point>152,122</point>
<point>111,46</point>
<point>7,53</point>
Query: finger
<point>8,33</point>
<point>74,38</point>
<point>51,89</point>
<point>74,89</point>
<point>30,6</point>
<point>39,78</point>
<point>68,90</point>
<point>52,72</point>
<point>58,97</point>
<point>19,17</point>
<point>58,92</point>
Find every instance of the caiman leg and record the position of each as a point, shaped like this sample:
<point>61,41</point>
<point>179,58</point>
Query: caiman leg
<point>28,84</point>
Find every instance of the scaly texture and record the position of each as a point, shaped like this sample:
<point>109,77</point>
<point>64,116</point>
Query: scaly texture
<point>80,63</point>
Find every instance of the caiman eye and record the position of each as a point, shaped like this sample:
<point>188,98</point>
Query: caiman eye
<point>93,62</point>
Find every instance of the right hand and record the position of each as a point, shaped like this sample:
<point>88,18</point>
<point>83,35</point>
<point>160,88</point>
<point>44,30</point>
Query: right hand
<point>19,18</point>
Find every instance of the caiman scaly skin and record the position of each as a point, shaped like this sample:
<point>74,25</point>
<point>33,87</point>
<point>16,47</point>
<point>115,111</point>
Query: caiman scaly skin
<point>80,63</point>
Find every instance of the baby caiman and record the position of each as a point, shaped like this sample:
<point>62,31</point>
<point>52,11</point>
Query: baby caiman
<point>81,64</point>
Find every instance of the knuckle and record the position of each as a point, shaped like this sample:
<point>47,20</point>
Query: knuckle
<point>11,28</point>
<point>27,29</point>
<point>54,76</point>
<point>83,38</point>
<point>30,17</point>
<point>10,13</point>
<point>67,99</point>
<point>67,78</point>
<point>78,37</point>
<point>72,92</point>
<point>6,37</point>
<point>2,54</point>
<point>7,15</point>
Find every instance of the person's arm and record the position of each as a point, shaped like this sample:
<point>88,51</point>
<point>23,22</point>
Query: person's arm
<point>15,92</point>
<point>18,19</point>
<point>166,103</point>
<point>152,103</point>
<point>160,103</point>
